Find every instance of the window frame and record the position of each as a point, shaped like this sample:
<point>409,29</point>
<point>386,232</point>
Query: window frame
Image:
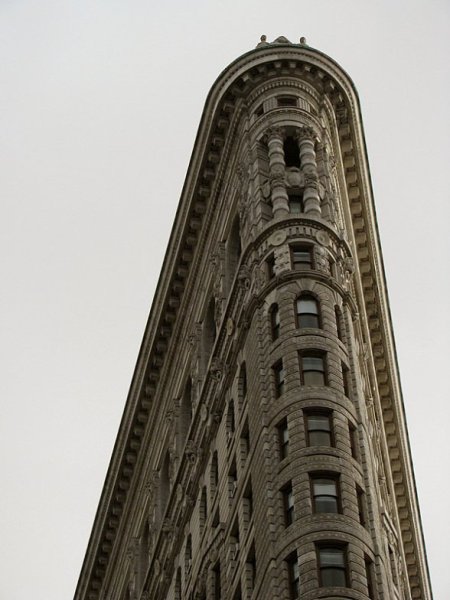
<point>330,431</point>
<point>299,313</point>
<point>313,354</point>
<point>299,265</point>
<point>325,582</point>
<point>279,378</point>
<point>283,438</point>
<point>287,493</point>
<point>293,570</point>
<point>295,197</point>
<point>335,479</point>
<point>275,321</point>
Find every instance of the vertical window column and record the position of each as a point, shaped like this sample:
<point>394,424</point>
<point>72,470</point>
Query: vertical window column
<point>311,198</point>
<point>277,168</point>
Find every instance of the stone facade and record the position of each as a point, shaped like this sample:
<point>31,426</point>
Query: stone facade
<point>263,450</point>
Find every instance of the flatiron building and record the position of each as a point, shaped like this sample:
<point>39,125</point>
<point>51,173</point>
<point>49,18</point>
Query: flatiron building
<point>263,452</point>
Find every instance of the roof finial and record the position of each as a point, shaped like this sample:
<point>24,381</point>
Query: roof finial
<point>264,38</point>
<point>303,41</point>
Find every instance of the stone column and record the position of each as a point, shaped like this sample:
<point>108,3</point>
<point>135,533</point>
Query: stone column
<point>308,164</point>
<point>277,168</point>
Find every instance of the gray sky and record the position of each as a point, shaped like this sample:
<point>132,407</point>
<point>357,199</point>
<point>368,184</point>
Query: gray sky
<point>99,108</point>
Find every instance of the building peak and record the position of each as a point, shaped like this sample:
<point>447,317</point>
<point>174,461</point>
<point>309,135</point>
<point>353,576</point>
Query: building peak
<point>279,40</point>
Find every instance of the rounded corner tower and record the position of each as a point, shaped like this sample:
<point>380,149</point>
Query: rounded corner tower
<point>263,451</point>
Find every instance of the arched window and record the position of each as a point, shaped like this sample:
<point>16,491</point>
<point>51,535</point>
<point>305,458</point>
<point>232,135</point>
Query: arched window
<point>233,252</point>
<point>274,314</point>
<point>308,312</point>
<point>185,416</point>
<point>339,323</point>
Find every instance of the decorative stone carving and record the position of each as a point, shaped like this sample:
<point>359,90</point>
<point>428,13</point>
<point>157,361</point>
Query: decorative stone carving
<point>258,280</point>
<point>230,326</point>
<point>216,368</point>
<point>306,133</point>
<point>294,178</point>
<point>323,238</point>
<point>133,549</point>
<point>191,451</point>
<point>203,412</point>
<point>322,263</point>
<point>277,238</point>
<point>150,487</point>
<point>244,277</point>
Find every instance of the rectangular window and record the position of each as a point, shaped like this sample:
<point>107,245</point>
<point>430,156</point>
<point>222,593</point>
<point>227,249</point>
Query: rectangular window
<point>217,583</point>
<point>346,379</point>
<point>332,562</point>
<point>325,493</point>
<point>283,438</point>
<point>312,368</point>
<point>279,375</point>
<point>318,429</point>
<point>361,506</point>
<point>353,440</point>
<point>274,313</point>
<point>370,575</point>
<point>250,570</point>
<point>288,504</point>
<point>287,101</point>
<point>294,576</point>
<point>301,257</point>
<point>247,503</point>
<point>295,200</point>
<point>270,263</point>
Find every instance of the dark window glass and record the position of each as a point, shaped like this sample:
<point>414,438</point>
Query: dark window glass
<point>270,262</point>
<point>332,566</point>
<point>296,203</point>
<point>294,576</point>
<point>243,380</point>
<point>279,374</point>
<point>287,101</point>
<point>301,257</point>
<point>339,323</point>
<point>283,438</point>
<point>353,440</point>
<point>361,506</point>
<point>318,426</point>
<point>288,501</point>
<point>325,494</point>
<point>370,577</point>
<point>291,152</point>
<point>313,369</point>
<point>275,321</point>
<point>346,379</point>
<point>308,312</point>
<point>217,584</point>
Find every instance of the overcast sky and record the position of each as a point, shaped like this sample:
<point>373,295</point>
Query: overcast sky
<point>99,106</point>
